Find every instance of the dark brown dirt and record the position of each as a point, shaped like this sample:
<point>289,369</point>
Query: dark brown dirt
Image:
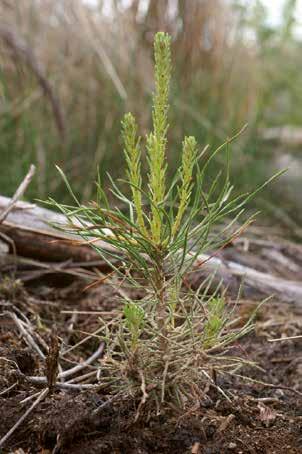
<point>259,419</point>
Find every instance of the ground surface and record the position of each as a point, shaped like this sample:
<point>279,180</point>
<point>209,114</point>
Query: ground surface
<point>259,418</point>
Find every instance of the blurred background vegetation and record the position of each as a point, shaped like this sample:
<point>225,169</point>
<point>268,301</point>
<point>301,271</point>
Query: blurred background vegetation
<point>69,69</point>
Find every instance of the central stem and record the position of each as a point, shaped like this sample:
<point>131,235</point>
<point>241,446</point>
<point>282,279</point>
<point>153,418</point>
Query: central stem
<point>161,309</point>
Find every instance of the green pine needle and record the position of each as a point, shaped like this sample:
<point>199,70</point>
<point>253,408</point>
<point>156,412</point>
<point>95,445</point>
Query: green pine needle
<point>133,159</point>
<point>157,140</point>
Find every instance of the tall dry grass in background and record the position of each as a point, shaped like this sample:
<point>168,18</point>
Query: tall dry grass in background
<point>69,71</point>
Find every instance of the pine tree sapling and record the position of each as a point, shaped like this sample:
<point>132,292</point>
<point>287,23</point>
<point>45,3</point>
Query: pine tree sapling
<point>169,341</point>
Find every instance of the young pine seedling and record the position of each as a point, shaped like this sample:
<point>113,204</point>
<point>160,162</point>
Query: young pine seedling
<point>165,345</point>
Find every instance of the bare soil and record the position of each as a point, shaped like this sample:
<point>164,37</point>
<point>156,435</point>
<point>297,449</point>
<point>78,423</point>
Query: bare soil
<point>261,418</point>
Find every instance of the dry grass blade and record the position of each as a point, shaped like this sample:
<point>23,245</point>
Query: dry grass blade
<point>89,30</point>
<point>25,333</point>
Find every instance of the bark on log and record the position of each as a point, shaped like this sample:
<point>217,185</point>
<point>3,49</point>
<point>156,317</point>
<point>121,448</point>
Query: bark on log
<point>29,227</point>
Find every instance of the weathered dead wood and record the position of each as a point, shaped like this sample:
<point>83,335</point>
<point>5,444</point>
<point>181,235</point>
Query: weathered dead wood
<point>233,275</point>
<point>29,227</point>
<point>286,135</point>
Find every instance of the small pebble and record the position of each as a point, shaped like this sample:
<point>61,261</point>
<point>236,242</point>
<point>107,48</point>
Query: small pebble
<point>232,445</point>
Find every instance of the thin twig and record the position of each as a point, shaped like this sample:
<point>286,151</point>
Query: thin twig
<point>34,333</point>
<point>268,385</point>
<point>217,387</point>
<point>84,364</point>
<point>19,193</point>
<point>31,397</point>
<point>83,377</point>
<point>77,387</point>
<point>7,390</point>
<point>75,312</point>
<point>105,404</point>
<point>42,394</point>
<point>73,347</point>
<point>68,373</point>
<point>43,381</point>
<point>28,338</point>
<point>285,338</point>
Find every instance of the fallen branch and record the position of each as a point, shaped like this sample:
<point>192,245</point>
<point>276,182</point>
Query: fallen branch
<point>232,274</point>
<point>29,227</point>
